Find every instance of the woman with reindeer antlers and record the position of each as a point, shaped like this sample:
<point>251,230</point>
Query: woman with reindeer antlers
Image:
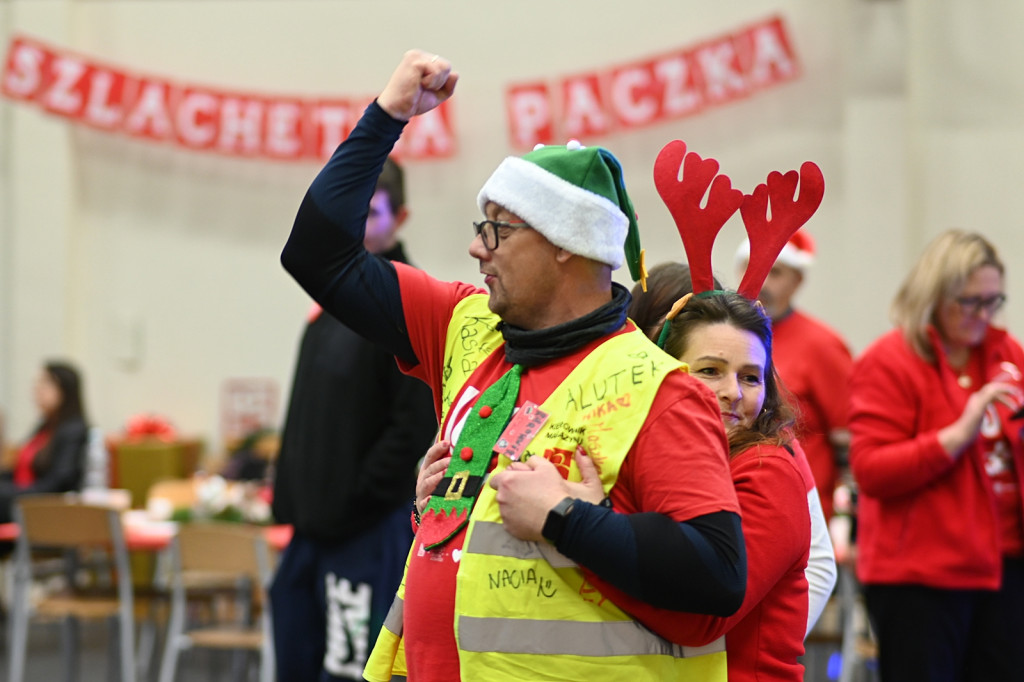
<point>725,339</point>
<point>666,284</point>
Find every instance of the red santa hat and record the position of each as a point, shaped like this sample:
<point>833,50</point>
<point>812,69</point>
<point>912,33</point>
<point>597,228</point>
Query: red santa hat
<point>797,253</point>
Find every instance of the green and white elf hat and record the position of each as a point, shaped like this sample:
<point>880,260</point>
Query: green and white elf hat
<point>574,196</point>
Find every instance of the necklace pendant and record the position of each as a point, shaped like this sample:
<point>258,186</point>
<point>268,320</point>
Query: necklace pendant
<point>964,380</point>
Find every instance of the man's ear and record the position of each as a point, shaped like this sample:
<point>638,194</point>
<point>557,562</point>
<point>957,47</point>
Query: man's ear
<point>563,256</point>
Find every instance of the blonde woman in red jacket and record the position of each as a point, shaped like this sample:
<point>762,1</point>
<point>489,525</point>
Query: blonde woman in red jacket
<point>938,458</point>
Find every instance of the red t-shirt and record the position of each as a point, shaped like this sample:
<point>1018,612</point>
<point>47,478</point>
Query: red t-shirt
<point>764,638</point>
<point>684,411</point>
<point>23,475</point>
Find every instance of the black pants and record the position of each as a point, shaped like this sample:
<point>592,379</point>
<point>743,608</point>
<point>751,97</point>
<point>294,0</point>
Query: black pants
<point>329,600</point>
<point>935,635</point>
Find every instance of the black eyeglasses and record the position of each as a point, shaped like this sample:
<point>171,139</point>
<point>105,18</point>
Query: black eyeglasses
<point>973,305</point>
<point>488,231</point>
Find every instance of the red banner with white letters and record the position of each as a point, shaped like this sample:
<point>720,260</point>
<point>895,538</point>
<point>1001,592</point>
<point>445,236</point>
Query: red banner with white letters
<point>674,85</point>
<point>662,88</point>
<point>199,117</point>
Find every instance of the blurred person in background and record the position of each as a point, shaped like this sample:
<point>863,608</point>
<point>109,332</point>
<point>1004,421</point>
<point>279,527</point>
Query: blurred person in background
<point>814,363</point>
<point>937,456</point>
<point>52,458</point>
<point>345,477</point>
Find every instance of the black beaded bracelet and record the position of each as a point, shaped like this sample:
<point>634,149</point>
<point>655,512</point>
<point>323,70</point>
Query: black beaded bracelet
<point>415,511</point>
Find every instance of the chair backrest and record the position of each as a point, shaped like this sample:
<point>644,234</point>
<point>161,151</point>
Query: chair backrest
<point>212,554</point>
<point>64,521</point>
<point>229,548</point>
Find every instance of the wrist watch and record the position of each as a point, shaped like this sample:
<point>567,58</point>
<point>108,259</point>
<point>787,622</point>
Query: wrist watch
<point>554,526</point>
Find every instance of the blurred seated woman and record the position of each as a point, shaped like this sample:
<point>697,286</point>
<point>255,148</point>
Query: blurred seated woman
<point>669,282</point>
<point>52,459</point>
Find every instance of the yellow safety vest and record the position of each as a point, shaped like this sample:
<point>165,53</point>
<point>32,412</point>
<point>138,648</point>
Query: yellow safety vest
<point>523,611</point>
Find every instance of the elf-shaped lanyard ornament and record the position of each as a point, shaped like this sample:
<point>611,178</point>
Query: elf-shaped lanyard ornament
<point>450,504</point>
<point>682,180</point>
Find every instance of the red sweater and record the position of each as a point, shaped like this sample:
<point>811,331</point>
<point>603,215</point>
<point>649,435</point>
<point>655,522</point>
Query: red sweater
<point>924,518</point>
<point>815,365</point>
<point>766,635</point>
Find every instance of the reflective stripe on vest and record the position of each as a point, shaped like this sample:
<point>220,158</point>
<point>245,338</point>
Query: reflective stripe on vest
<point>491,538</point>
<point>393,621</point>
<point>571,638</point>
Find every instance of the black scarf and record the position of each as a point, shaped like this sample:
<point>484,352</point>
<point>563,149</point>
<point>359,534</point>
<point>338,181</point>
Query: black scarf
<point>534,347</point>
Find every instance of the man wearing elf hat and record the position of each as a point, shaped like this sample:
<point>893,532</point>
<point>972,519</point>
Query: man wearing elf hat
<point>813,361</point>
<point>517,573</point>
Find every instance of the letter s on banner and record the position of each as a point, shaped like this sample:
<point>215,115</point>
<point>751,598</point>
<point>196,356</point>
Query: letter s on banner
<point>23,74</point>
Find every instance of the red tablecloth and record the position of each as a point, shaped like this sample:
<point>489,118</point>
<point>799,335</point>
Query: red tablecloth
<point>8,531</point>
<point>157,535</point>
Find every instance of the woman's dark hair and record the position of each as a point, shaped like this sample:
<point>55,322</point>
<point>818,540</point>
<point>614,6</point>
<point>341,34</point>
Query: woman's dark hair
<point>775,422</point>
<point>69,382</point>
<point>666,284</point>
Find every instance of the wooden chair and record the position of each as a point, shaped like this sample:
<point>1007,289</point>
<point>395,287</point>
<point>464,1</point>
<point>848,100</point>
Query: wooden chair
<point>164,498</point>
<point>78,531</point>
<point>204,554</point>
<point>150,571</point>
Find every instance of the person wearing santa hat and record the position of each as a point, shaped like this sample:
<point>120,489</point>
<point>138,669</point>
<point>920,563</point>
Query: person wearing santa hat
<point>580,473</point>
<point>813,361</point>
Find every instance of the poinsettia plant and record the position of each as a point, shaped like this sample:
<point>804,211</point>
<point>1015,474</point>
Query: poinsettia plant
<point>143,426</point>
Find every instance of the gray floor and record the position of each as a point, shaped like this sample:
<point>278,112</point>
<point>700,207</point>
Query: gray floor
<point>45,662</point>
<point>822,660</point>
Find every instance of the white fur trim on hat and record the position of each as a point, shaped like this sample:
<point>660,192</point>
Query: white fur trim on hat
<point>790,255</point>
<point>569,216</point>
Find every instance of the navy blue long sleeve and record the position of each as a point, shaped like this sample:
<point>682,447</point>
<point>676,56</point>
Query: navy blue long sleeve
<point>325,252</point>
<point>697,566</point>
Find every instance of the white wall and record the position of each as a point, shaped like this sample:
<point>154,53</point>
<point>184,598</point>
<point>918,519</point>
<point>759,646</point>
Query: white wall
<point>156,269</point>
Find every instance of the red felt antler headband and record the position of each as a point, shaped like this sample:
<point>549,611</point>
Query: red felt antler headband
<point>683,179</point>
